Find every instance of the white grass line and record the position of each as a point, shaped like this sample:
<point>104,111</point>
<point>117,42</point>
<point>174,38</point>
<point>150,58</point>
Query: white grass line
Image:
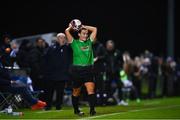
<point>111,114</point>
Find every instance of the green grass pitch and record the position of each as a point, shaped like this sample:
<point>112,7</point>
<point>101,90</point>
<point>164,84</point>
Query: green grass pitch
<point>163,108</point>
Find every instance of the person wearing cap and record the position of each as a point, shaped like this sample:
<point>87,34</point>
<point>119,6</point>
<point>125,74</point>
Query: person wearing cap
<point>56,70</point>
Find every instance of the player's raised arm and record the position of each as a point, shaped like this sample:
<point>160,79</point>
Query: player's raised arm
<point>68,34</point>
<point>93,31</point>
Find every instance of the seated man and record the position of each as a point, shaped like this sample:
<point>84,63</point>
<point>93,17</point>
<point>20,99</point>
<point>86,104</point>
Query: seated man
<point>16,87</point>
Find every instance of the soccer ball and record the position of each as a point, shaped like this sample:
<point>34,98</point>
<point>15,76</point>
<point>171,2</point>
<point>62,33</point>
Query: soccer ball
<point>76,24</point>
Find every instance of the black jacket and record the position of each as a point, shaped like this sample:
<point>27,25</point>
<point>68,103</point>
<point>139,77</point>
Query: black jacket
<point>4,77</point>
<point>35,62</point>
<point>113,61</point>
<point>100,52</point>
<point>5,56</point>
<point>56,63</point>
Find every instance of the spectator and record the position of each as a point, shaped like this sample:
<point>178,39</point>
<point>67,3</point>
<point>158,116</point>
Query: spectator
<point>113,65</point>
<point>16,87</point>
<point>137,76</point>
<point>35,63</point>
<point>99,70</point>
<point>23,55</point>
<point>56,70</point>
<point>5,51</point>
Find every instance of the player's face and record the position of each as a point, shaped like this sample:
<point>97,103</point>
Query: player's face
<point>83,35</point>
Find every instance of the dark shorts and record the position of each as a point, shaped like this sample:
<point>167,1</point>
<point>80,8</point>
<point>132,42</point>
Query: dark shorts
<point>81,75</point>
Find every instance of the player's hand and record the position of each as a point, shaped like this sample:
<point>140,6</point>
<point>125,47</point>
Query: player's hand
<point>83,26</point>
<point>70,25</point>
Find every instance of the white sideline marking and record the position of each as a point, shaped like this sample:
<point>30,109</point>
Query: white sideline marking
<point>111,114</point>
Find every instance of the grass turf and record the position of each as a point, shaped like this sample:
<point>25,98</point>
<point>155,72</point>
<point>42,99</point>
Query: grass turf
<point>164,108</point>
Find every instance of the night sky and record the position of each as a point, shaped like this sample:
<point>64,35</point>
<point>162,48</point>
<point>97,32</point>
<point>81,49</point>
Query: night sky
<point>134,25</point>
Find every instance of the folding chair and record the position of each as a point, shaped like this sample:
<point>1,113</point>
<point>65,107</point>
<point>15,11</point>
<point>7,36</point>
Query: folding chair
<point>21,75</point>
<point>9,99</point>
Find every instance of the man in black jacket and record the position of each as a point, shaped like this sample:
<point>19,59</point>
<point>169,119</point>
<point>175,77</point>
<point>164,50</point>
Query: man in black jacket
<point>99,70</point>
<point>113,65</point>
<point>35,63</point>
<point>5,50</point>
<point>56,68</point>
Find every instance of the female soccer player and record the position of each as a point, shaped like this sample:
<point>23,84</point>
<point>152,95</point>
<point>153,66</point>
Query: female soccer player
<point>82,70</point>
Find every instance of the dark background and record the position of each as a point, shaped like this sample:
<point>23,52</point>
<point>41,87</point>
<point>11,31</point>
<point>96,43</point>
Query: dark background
<point>134,25</point>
